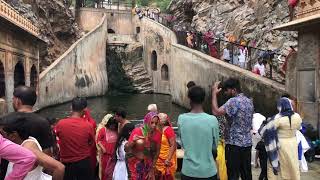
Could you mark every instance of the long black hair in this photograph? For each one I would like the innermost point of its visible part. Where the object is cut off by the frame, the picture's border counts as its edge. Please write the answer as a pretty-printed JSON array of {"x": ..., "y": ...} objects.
[{"x": 124, "y": 135}]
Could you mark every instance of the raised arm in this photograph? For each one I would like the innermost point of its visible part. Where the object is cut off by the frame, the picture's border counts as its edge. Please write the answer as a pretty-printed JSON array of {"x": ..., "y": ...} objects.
[
  {"x": 55, "y": 167},
  {"x": 214, "y": 102},
  {"x": 22, "y": 158}
]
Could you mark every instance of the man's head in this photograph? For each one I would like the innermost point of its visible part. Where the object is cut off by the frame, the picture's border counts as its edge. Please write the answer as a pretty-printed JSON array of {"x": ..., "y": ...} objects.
[
  {"x": 152, "y": 108},
  {"x": 190, "y": 84},
  {"x": 196, "y": 94},
  {"x": 231, "y": 87},
  {"x": 120, "y": 115},
  {"x": 78, "y": 105},
  {"x": 260, "y": 61},
  {"x": 23, "y": 96}
]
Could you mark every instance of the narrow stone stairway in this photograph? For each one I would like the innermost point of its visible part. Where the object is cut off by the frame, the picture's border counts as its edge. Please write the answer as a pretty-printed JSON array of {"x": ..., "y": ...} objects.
[{"x": 126, "y": 71}]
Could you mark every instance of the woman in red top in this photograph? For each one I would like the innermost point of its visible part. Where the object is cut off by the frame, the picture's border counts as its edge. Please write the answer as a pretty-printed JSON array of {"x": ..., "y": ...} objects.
[
  {"x": 106, "y": 142},
  {"x": 144, "y": 147}
]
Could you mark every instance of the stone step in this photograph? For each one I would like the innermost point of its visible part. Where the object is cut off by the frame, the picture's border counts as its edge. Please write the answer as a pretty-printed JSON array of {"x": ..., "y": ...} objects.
[
  {"x": 140, "y": 79},
  {"x": 143, "y": 85},
  {"x": 147, "y": 91},
  {"x": 137, "y": 70}
]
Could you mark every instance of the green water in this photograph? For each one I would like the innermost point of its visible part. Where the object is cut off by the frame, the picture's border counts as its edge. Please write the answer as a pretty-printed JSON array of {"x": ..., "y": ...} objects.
[{"x": 134, "y": 104}]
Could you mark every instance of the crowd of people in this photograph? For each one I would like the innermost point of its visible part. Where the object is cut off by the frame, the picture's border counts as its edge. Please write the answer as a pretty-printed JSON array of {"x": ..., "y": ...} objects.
[
  {"x": 215, "y": 146},
  {"x": 230, "y": 50}
]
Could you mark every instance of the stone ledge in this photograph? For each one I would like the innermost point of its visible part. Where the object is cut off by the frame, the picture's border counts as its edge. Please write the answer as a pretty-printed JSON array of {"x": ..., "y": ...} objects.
[{"x": 10, "y": 14}]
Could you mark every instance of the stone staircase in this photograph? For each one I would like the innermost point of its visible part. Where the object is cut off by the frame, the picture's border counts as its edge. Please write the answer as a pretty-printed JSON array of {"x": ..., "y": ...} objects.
[
  {"x": 141, "y": 81},
  {"x": 126, "y": 70}
]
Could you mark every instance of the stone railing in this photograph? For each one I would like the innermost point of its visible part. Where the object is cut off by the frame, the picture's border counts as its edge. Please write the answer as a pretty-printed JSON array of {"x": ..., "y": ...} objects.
[
  {"x": 308, "y": 8},
  {"x": 9, "y": 13}
]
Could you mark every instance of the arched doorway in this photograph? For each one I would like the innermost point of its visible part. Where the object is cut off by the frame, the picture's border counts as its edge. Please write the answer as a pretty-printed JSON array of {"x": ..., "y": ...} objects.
[
  {"x": 165, "y": 72},
  {"x": 19, "y": 78},
  {"x": 154, "y": 60},
  {"x": 111, "y": 31},
  {"x": 33, "y": 76},
  {"x": 2, "y": 82}
]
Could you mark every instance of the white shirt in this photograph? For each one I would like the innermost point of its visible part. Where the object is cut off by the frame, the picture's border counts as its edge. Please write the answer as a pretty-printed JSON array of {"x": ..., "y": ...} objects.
[
  {"x": 261, "y": 69},
  {"x": 226, "y": 54}
]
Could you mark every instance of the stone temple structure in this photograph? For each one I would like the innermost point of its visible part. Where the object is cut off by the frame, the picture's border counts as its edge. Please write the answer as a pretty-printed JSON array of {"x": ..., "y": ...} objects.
[
  {"x": 19, "y": 54},
  {"x": 305, "y": 77}
]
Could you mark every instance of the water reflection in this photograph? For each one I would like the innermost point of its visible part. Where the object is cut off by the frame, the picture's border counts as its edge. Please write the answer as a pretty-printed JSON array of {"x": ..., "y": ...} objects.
[{"x": 135, "y": 104}]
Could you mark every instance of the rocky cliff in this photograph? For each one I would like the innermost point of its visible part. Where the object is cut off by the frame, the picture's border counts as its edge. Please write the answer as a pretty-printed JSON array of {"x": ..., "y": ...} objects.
[
  {"x": 56, "y": 23},
  {"x": 249, "y": 19}
]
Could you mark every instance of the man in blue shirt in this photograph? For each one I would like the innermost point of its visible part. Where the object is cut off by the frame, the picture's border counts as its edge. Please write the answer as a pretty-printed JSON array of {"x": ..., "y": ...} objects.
[
  {"x": 239, "y": 112},
  {"x": 199, "y": 134}
]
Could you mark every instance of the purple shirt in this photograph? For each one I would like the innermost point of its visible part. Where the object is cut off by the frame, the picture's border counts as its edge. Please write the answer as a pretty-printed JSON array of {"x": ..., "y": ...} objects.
[{"x": 22, "y": 158}]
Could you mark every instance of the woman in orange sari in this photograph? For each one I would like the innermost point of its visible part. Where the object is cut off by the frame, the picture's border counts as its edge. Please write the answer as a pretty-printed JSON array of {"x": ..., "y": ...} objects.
[{"x": 167, "y": 161}]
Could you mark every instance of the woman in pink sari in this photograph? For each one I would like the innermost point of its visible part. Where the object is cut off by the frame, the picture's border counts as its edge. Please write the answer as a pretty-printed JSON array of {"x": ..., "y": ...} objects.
[
  {"x": 144, "y": 147},
  {"x": 106, "y": 142}
]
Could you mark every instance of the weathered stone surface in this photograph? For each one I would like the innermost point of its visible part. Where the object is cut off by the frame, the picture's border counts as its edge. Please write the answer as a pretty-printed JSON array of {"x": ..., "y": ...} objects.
[
  {"x": 248, "y": 19},
  {"x": 81, "y": 71},
  {"x": 126, "y": 71},
  {"x": 56, "y": 23}
]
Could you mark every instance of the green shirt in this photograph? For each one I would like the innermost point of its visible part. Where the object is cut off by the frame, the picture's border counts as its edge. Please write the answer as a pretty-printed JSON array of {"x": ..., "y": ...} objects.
[{"x": 199, "y": 134}]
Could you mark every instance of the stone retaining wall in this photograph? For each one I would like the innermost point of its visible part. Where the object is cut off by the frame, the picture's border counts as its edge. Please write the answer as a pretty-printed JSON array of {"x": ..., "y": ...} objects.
[{"x": 80, "y": 71}]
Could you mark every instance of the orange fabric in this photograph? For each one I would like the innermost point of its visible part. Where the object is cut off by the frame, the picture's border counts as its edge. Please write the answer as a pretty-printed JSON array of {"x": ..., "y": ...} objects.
[{"x": 164, "y": 153}]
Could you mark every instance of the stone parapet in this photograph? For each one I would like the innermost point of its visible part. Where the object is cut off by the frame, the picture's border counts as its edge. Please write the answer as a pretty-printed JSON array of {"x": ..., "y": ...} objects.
[
  {"x": 308, "y": 8},
  {"x": 10, "y": 14}
]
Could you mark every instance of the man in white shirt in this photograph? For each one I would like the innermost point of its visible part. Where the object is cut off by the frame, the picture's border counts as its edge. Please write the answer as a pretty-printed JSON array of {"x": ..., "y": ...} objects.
[{"x": 260, "y": 67}]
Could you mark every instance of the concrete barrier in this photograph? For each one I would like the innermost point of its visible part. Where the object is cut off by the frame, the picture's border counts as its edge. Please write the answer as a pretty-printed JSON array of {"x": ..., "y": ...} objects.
[{"x": 80, "y": 71}]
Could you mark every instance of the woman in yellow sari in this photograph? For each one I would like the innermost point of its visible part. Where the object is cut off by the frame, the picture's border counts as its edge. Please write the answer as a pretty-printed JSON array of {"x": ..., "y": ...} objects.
[{"x": 167, "y": 162}]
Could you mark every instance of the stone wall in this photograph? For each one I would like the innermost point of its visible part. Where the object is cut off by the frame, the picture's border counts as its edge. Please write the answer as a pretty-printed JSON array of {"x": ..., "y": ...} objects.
[
  {"x": 157, "y": 39},
  {"x": 118, "y": 21},
  {"x": 80, "y": 71},
  {"x": 89, "y": 18},
  {"x": 185, "y": 64},
  {"x": 190, "y": 65}
]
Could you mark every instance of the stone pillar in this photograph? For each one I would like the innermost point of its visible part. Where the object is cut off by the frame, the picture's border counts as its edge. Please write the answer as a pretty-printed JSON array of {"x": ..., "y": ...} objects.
[
  {"x": 308, "y": 76},
  {"x": 9, "y": 80},
  {"x": 27, "y": 70},
  {"x": 3, "y": 107}
]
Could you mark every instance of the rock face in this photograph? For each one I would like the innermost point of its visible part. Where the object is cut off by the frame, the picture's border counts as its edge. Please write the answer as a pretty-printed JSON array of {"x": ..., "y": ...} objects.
[
  {"x": 56, "y": 23},
  {"x": 126, "y": 71},
  {"x": 249, "y": 19}
]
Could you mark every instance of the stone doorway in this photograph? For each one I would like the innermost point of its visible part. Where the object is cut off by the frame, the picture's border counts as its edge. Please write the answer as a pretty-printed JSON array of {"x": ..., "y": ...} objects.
[
  {"x": 19, "y": 78},
  {"x": 164, "y": 72},
  {"x": 33, "y": 77},
  {"x": 154, "y": 60}
]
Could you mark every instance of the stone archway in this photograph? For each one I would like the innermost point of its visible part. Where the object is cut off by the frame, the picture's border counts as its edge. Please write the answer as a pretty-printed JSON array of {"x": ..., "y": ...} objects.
[
  {"x": 2, "y": 81},
  {"x": 164, "y": 72},
  {"x": 111, "y": 31},
  {"x": 19, "y": 77},
  {"x": 154, "y": 60},
  {"x": 33, "y": 76}
]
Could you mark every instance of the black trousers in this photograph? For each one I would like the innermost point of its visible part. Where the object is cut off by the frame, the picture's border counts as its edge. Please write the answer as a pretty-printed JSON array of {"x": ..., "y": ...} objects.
[
  {"x": 183, "y": 177},
  {"x": 80, "y": 170},
  {"x": 238, "y": 160},
  {"x": 264, "y": 172}
]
